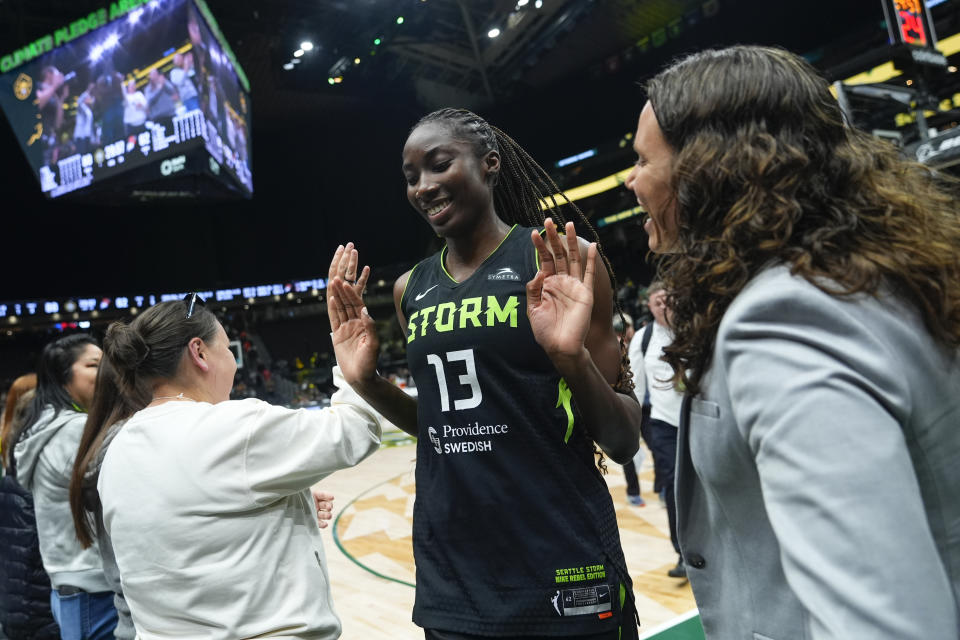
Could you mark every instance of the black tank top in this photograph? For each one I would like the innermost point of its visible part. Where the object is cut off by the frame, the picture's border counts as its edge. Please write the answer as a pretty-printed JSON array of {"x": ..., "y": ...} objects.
[{"x": 514, "y": 530}]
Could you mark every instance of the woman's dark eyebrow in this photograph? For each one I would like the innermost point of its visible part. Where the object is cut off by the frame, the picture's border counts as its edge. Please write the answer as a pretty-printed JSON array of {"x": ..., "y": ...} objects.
[{"x": 428, "y": 156}]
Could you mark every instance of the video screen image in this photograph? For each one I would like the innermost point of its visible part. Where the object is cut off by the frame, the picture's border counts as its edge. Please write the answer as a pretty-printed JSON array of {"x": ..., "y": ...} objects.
[{"x": 150, "y": 84}]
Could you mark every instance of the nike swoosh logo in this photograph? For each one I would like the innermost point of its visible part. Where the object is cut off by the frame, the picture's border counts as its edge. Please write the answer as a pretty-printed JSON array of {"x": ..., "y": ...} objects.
[{"x": 420, "y": 295}]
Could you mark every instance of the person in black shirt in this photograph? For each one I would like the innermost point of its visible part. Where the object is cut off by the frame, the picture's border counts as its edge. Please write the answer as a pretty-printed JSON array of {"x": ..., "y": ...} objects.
[{"x": 514, "y": 528}]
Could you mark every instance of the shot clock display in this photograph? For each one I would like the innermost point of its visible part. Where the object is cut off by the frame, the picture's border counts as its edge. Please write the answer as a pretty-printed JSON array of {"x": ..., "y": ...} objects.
[{"x": 908, "y": 22}]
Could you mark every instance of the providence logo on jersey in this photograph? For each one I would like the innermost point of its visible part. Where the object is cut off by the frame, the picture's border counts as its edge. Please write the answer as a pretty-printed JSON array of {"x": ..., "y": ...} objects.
[
  {"x": 464, "y": 439},
  {"x": 505, "y": 273},
  {"x": 434, "y": 439}
]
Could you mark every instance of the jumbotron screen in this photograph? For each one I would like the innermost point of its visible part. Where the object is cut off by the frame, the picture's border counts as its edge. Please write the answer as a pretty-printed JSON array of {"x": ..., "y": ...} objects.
[{"x": 136, "y": 82}]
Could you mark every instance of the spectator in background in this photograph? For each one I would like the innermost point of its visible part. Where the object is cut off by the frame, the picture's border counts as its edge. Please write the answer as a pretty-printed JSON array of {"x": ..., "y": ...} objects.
[
  {"x": 83, "y": 123},
  {"x": 240, "y": 143},
  {"x": 214, "y": 107},
  {"x": 52, "y": 92},
  {"x": 24, "y": 585},
  {"x": 664, "y": 402},
  {"x": 182, "y": 78},
  {"x": 110, "y": 104},
  {"x": 199, "y": 55},
  {"x": 134, "y": 110},
  {"x": 81, "y": 600},
  {"x": 18, "y": 388},
  {"x": 161, "y": 99},
  {"x": 624, "y": 330}
]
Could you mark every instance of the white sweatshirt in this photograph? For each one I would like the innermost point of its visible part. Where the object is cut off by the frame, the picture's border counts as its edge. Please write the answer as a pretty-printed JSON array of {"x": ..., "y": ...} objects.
[
  {"x": 212, "y": 523},
  {"x": 665, "y": 400}
]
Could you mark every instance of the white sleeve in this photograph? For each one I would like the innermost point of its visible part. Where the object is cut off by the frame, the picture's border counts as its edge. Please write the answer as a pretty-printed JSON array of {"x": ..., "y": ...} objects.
[
  {"x": 819, "y": 398},
  {"x": 288, "y": 450},
  {"x": 635, "y": 353}
]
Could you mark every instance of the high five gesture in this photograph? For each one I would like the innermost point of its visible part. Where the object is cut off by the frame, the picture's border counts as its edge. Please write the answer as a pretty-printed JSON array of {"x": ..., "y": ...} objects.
[
  {"x": 354, "y": 332},
  {"x": 560, "y": 297}
]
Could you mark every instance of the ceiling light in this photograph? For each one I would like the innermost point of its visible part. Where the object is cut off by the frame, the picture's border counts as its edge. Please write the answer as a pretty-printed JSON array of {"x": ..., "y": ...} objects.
[
  {"x": 298, "y": 53},
  {"x": 522, "y": 3},
  {"x": 295, "y": 61},
  {"x": 399, "y": 19},
  {"x": 376, "y": 41},
  {"x": 952, "y": 69},
  {"x": 538, "y": 4},
  {"x": 288, "y": 66},
  {"x": 356, "y": 61},
  {"x": 493, "y": 33},
  {"x": 330, "y": 81},
  {"x": 306, "y": 45}
]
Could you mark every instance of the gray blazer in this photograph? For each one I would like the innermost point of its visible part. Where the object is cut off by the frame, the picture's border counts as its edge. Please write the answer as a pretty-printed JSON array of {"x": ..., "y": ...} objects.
[{"x": 818, "y": 472}]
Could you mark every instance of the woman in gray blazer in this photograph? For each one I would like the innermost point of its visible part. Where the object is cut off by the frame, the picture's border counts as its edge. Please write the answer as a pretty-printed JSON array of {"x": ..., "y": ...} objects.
[{"x": 814, "y": 279}]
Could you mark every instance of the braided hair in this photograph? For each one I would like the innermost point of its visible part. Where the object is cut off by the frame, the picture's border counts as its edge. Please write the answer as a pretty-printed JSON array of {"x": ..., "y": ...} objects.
[{"x": 525, "y": 194}]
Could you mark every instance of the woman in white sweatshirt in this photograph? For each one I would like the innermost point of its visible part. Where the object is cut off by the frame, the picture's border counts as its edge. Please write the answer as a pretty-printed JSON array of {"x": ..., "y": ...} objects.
[{"x": 207, "y": 499}]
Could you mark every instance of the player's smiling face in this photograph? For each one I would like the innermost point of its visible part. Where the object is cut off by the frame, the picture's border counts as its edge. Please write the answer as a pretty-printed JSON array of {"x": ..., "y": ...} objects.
[{"x": 446, "y": 182}]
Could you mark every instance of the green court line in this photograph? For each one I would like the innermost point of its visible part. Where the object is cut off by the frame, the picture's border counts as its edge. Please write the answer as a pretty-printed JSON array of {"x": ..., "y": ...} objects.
[
  {"x": 685, "y": 627},
  {"x": 336, "y": 535}
]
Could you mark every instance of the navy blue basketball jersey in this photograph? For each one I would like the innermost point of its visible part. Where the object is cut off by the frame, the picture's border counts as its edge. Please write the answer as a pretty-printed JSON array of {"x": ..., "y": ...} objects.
[{"x": 514, "y": 529}]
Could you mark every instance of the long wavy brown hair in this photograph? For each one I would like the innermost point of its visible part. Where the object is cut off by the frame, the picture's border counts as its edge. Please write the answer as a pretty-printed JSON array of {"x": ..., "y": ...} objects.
[
  {"x": 765, "y": 171},
  {"x": 8, "y": 433}
]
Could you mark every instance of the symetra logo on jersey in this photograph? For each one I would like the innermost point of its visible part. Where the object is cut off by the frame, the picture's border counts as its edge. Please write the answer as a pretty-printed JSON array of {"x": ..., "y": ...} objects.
[{"x": 505, "y": 274}]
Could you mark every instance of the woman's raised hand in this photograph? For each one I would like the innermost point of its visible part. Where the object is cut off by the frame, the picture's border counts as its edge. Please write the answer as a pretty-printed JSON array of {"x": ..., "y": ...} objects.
[
  {"x": 344, "y": 265},
  {"x": 355, "y": 341},
  {"x": 560, "y": 296}
]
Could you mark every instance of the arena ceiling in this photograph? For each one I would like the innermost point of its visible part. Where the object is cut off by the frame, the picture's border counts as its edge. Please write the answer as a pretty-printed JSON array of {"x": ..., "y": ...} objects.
[{"x": 560, "y": 78}]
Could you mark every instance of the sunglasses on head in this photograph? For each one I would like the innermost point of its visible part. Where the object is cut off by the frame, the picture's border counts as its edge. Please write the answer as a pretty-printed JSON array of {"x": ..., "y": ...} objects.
[{"x": 192, "y": 299}]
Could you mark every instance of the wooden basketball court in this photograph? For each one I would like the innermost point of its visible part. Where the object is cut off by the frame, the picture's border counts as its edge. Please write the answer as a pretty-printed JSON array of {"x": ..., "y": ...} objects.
[{"x": 370, "y": 553}]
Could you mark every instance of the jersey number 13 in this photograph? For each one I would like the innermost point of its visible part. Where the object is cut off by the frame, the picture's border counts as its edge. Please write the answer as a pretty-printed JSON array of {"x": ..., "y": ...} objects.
[{"x": 466, "y": 379}]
